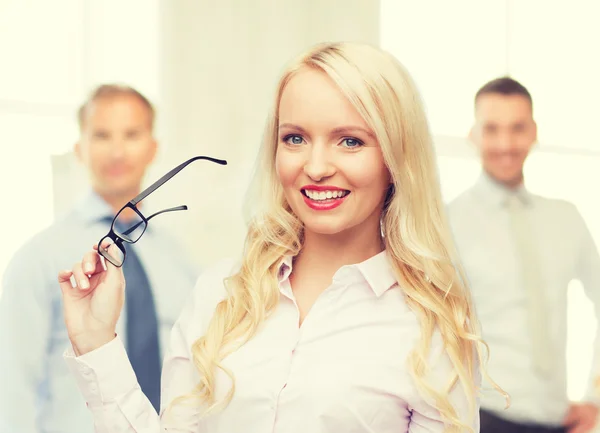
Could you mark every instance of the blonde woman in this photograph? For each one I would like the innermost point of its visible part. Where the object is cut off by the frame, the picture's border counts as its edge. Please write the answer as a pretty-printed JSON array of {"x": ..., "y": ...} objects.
[{"x": 346, "y": 313}]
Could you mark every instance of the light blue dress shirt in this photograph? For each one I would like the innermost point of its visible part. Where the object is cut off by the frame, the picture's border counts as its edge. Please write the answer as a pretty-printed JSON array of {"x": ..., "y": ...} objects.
[{"x": 37, "y": 393}]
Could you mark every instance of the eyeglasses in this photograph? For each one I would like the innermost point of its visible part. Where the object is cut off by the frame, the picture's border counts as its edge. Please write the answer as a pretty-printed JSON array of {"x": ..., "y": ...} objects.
[{"x": 129, "y": 224}]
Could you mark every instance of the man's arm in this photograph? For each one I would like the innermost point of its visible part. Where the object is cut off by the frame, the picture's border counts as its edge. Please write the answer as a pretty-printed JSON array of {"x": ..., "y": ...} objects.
[
  {"x": 588, "y": 272},
  {"x": 25, "y": 318}
]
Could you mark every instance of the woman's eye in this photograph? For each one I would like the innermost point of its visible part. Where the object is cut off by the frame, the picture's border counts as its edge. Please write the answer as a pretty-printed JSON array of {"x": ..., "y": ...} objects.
[
  {"x": 294, "y": 139},
  {"x": 352, "y": 142}
]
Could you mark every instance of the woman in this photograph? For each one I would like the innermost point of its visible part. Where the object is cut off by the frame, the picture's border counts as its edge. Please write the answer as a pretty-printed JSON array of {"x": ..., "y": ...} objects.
[{"x": 347, "y": 312}]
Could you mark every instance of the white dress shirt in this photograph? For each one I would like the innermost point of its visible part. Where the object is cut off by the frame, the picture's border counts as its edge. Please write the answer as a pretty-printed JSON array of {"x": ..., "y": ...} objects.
[
  {"x": 343, "y": 370},
  {"x": 566, "y": 251},
  {"x": 37, "y": 394}
]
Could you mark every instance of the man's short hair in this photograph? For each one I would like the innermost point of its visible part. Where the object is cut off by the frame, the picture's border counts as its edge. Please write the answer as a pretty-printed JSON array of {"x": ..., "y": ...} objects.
[
  {"x": 504, "y": 86},
  {"x": 109, "y": 91}
]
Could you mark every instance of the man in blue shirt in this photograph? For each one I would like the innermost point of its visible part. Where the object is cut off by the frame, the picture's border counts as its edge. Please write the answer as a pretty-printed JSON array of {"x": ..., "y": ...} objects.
[{"x": 37, "y": 393}]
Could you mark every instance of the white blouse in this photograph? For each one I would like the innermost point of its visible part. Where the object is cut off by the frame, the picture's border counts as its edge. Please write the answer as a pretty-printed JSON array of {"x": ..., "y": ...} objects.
[{"x": 343, "y": 370}]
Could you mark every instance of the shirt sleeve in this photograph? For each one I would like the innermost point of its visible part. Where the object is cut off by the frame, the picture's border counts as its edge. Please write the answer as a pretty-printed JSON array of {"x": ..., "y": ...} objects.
[
  {"x": 25, "y": 320},
  {"x": 588, "y": 272},
  {"x": 108, "y": 383},
  {"x": 425, "y": 417}
]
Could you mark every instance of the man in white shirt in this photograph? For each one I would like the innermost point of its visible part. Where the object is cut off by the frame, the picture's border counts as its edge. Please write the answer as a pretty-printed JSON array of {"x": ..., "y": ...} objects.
[
  {"x": 520, "y": 251},
  {"x": 37, "y": 393}
]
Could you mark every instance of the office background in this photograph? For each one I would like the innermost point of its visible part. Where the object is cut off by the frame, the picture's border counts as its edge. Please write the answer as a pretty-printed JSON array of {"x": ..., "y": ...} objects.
[{"x": 210, "y": 69}]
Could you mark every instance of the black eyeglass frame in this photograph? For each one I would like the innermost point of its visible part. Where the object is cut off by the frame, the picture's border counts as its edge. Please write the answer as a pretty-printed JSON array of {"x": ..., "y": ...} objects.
[{"x": 119, "y": 238}]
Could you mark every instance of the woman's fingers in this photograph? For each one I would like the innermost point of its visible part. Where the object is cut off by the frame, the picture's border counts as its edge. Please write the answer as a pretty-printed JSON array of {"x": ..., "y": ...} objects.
[
  {"x": 81, "y": 279},
  {"x": 64, "y": 276},
  {"x": 84, "y": 275},
  {"x": 111, "y": 251},
  {"x": 79, "y": 276},
  {"x": 114, "y": 274},
  {"x": 64, "y": 279},
  {"x": 91, "y": 263},
  {"x": 112, "y": 254}
]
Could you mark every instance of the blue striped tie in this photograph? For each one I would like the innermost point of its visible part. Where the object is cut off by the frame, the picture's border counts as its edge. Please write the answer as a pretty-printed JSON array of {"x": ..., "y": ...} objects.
[{"x": 142, "y": 327}]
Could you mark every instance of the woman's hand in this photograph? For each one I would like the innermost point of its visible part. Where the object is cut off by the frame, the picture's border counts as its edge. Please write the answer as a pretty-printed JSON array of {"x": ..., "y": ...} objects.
[{"x": 92, "y": 308}]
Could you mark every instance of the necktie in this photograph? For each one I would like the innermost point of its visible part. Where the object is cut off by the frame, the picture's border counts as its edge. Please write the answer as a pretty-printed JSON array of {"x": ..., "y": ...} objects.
[
  {"x": 141, "y": 327},
  {"x": 533, "y": 283}
]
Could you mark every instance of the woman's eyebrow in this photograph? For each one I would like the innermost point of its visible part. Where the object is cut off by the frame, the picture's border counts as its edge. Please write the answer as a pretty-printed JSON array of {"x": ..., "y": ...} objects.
[
  {"x": 352, "y": 129},
  {"x": 292, "y": 127},
  {"x": 336, "y": 131}
]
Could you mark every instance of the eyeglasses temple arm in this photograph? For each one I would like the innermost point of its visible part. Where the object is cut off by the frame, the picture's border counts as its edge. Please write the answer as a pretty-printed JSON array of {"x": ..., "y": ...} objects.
[
  {"x": 172, "y": 209},
  {"x": 170, "y": 174}
]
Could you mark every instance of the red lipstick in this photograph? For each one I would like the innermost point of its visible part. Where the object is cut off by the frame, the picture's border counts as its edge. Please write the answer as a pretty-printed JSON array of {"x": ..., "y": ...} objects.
[
  {"x": 325, "y": 204},
  {"x": 322, "y": 188}
]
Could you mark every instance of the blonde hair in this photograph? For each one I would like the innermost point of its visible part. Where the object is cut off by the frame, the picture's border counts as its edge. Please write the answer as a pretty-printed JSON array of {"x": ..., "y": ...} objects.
[{"x": 417, "y": 236}]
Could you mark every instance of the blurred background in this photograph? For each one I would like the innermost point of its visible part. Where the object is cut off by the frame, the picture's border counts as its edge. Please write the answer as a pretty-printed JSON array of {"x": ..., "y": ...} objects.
[{"x": 210, "y": 69}]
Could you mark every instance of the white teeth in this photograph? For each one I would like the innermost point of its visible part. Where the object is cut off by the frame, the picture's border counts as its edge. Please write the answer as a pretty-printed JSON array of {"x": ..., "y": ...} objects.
[{"x": 324, "y": 195}]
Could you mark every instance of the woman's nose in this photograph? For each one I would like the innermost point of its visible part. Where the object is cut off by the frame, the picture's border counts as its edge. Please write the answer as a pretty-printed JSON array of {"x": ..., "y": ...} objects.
[{"x": 318, "y": 165}]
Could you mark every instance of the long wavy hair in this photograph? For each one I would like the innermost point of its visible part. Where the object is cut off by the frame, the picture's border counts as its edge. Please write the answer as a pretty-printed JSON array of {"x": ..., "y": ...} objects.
[{"x": 417, "y": 236}]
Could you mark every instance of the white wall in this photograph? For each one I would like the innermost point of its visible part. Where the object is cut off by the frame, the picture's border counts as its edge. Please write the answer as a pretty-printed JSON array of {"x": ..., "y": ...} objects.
[
  {"x": 220, "y": 67},
  {"x": 42, "y": 80},
  {"x": 453, "y": 48}
]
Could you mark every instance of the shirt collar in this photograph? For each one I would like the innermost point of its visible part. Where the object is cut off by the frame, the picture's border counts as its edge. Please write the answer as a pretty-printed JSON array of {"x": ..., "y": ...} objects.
[
  {"x": 497, "y": 194},
  {"x": 93, "y": 209},
  {"x": 376, "y": 271}
]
